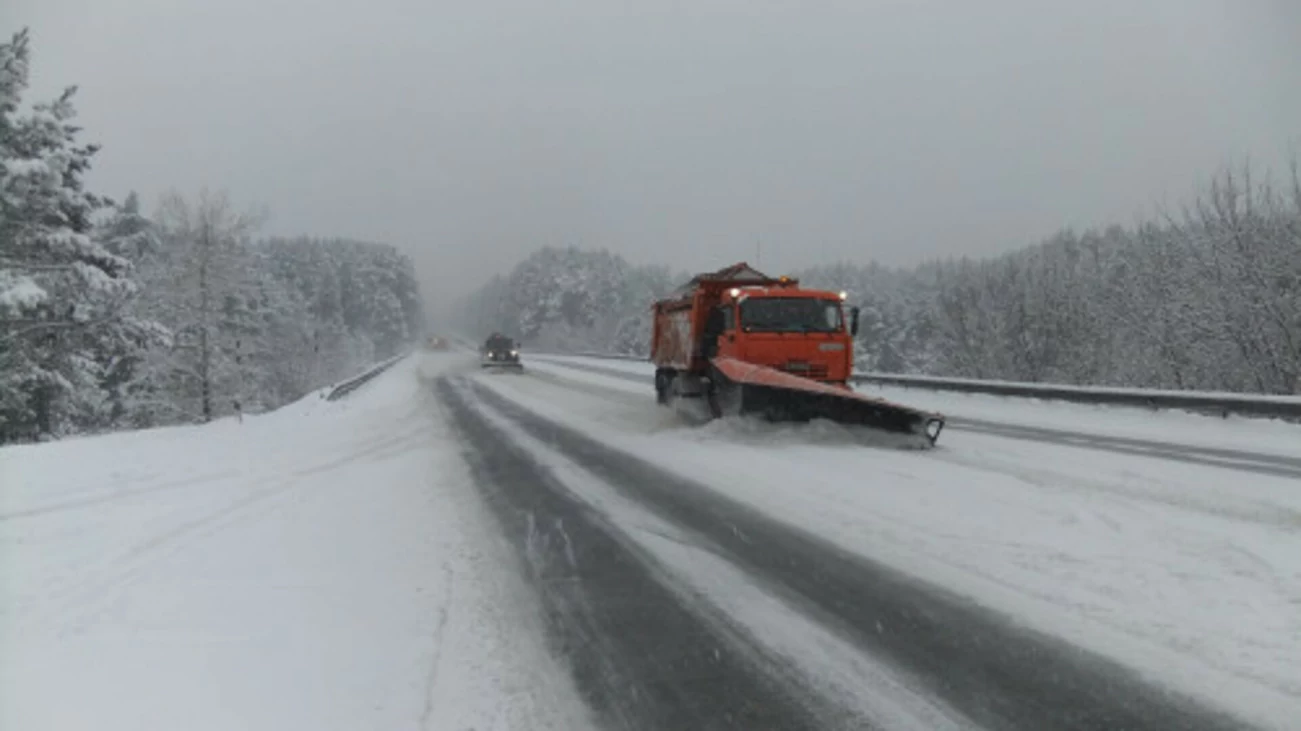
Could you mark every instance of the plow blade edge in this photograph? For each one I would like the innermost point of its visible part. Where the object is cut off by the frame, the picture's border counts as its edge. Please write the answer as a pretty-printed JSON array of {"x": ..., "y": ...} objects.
[{"x": 741, "y": 388}]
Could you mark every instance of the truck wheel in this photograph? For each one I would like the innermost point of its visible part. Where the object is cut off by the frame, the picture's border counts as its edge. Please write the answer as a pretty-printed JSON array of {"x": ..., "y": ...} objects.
[
  {"x": 714, "y": 399},
  {"x": 663, "y": 386},
  {"x": 721, "y": 395}
]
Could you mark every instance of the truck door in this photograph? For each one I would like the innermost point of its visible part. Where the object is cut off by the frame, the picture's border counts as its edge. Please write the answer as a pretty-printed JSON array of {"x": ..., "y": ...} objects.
[{"x": 720, "y": 324}]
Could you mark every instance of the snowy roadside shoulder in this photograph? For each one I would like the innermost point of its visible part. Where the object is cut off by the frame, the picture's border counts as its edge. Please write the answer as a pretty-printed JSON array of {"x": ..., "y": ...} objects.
[
  {"x": 91, "y": 468},
  {"x": 323, "y": 566}
]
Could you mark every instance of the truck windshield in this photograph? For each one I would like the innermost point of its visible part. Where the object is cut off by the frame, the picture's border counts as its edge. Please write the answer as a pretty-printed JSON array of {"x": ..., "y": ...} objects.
[{"x": 790, "y": 314}]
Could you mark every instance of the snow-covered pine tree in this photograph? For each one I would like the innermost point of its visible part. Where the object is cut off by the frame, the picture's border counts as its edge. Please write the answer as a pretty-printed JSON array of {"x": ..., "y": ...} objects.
[
  {"x": 127, "y": 233},
  {"x": 126, "y": 377},
  {"x": 62, "y": 293}
]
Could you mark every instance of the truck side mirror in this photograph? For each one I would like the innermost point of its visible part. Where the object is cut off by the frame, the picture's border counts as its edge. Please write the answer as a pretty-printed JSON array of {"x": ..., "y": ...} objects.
[{"x": 853, "y": 321}]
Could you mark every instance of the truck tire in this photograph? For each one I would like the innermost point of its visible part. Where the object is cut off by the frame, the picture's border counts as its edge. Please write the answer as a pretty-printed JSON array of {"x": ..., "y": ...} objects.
[{"x": 663, "y": 386}]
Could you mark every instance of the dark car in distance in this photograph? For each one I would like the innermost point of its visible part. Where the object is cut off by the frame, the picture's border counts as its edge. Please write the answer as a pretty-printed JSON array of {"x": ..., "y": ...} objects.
[{"x": 500, "y": 351}]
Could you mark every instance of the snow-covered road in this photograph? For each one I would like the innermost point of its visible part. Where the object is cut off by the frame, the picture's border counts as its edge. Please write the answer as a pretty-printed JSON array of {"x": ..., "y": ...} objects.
[
  {"x": 452, "y": 549},
  {"x": 1186, "y": 573}
]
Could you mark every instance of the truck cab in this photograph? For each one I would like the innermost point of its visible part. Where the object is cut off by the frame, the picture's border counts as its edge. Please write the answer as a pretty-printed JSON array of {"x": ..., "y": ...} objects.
[
  {"x": 738, "y": 314},
  {"x": 800, "y": 331}
]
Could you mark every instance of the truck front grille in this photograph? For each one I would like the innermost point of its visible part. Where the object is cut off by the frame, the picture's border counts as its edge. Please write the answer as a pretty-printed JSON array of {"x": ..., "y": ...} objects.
[{"x": 816, "y": 371}]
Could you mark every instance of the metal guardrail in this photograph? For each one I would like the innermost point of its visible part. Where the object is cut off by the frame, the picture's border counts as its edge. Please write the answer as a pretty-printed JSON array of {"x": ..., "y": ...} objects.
[
  {"x": 1216, "y": 404},
  {"x": 352, "y": 384},
  {"x": 611, "y": 356}
]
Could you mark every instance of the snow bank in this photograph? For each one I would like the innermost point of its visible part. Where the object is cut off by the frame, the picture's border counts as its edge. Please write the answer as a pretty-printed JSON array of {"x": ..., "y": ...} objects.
[{"x": 324, "y": 566}]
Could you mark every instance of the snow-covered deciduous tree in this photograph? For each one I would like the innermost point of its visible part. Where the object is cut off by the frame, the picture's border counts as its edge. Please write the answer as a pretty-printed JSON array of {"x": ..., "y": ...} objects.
[
  {"x": 201, "y": 285},
  {"x": 567, "y": 298},
  {"x": 109, "y": 319},
  {"x": 362, "y": 303},
  {"x": 1247, "y": 246},
  {"x": 128, "y": 234},
  {"x": 259, "y": 323}
]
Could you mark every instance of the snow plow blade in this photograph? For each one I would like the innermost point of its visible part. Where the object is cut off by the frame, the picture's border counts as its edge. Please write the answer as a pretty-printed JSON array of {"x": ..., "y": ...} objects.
[{"x": 741, "y": 388}]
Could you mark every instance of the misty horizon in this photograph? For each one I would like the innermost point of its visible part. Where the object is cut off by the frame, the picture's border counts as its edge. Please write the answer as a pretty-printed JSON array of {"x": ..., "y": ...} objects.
[{"x": 688, "y": 136}]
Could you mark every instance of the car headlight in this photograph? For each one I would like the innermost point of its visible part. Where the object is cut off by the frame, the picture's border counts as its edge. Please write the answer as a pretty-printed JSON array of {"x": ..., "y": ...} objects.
[{"x": 514, "y": 353}]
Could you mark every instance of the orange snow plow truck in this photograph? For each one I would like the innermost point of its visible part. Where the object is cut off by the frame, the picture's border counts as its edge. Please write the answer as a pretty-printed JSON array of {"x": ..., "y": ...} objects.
[{"x": 736, "y": 342}]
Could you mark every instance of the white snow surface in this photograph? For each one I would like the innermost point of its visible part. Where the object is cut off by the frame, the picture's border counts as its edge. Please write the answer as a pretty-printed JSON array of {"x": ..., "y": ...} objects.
[
  {"x": 1191, "y": 575},
  {"x": 324, "y": 566},
  {"x": 19, "y": 292},
  {"x": 329, "y": 565},
  {"x": 28, "y": 166}
]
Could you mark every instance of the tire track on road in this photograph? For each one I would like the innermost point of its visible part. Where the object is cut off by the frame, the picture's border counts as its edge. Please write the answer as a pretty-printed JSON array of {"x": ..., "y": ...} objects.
[
  {"x": 90, "y": 592},
  {"x": 641, "y": 659},
  {"x": 998, "y": 673},
  {"x": 116, "y": 495}
]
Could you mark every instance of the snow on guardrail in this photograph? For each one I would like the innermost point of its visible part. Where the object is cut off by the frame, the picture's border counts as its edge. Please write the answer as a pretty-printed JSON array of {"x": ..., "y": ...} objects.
[
  {"x": 1207, "y": 402},
  {"x": 352, "y": 384}
]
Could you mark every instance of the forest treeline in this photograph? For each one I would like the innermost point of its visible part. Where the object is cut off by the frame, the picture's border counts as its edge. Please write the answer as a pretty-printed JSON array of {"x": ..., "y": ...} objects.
[
  {"x": 1207, "y": 298},
  {"x": 112, "y": 319}
]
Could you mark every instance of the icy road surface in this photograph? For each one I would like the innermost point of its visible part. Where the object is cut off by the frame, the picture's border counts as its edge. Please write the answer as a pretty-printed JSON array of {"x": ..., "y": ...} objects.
[{"x": 327, "y": 566}]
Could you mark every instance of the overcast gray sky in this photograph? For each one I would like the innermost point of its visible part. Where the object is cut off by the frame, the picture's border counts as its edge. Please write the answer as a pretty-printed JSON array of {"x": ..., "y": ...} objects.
[{"x": 471, "y": 132}]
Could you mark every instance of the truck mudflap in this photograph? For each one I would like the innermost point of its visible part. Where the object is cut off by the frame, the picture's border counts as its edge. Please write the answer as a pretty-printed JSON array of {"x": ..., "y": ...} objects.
[{"x": 740, "y": 388}]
